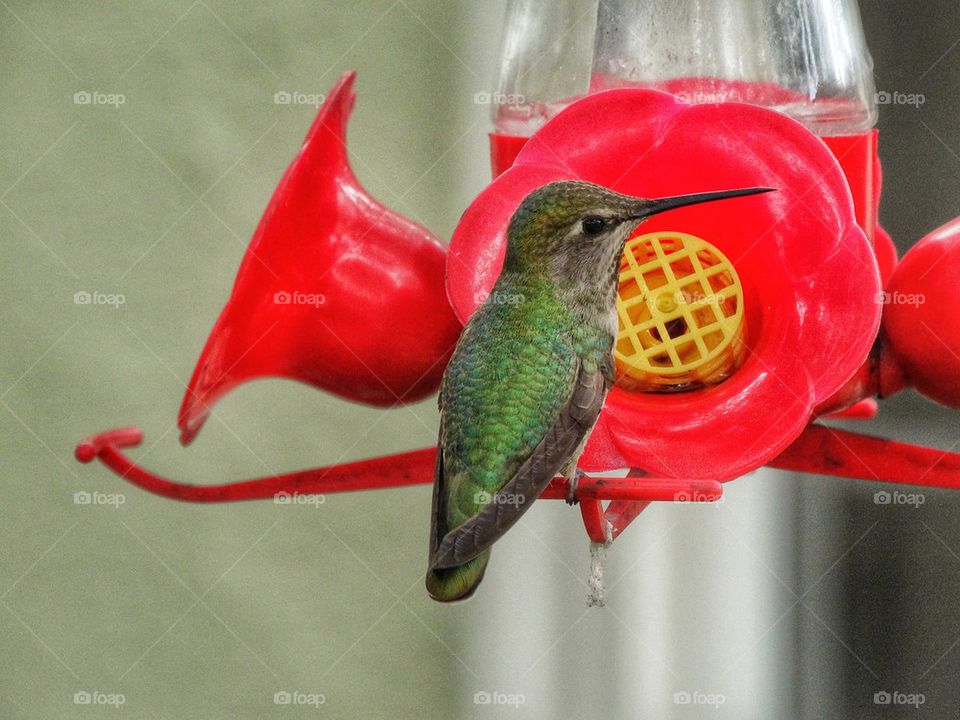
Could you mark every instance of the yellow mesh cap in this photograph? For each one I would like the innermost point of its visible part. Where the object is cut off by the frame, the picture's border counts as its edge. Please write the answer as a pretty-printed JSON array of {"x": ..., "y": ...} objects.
[{"x": 680, "y": 310}]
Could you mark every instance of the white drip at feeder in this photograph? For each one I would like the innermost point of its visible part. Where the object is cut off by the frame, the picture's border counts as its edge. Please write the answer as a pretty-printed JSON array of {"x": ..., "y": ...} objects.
[{"x": 596, "y": 590}]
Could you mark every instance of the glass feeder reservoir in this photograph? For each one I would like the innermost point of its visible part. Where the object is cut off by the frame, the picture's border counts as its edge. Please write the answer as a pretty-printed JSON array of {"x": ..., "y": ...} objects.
[{"x": 805, "y": 58}]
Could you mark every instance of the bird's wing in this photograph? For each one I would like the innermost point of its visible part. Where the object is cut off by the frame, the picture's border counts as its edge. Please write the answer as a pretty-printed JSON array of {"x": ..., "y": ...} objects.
[
  {"x": 573, "y": 422},
  {"x": 437, "y": 526}
]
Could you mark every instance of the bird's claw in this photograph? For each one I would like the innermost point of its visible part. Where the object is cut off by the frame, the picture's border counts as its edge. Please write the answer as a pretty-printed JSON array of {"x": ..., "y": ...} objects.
[{"x": 572, "y": 483}]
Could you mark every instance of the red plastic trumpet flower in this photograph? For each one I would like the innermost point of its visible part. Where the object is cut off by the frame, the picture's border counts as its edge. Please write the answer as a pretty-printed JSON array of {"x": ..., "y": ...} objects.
[{"x": 335, "y": 290}]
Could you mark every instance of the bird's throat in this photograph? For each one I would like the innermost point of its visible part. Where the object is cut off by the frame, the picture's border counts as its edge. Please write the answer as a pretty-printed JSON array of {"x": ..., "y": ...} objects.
[{"x": 587, "y": 284}]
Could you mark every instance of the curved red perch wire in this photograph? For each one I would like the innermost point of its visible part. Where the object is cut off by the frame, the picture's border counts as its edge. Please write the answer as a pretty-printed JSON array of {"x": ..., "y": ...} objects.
[
  {"x": 408, "y": 468},
  {"x": 819, "y": 450}
]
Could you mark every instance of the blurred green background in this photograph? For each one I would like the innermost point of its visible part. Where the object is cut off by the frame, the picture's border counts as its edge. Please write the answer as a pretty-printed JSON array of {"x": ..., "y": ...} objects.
[{"x": 208, "y": 612}]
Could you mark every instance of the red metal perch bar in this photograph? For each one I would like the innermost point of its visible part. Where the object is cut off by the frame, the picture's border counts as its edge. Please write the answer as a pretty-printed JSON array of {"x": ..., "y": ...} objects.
[
  {"x": 819, "y": 450},
  {"x": 628, "y": 495}
]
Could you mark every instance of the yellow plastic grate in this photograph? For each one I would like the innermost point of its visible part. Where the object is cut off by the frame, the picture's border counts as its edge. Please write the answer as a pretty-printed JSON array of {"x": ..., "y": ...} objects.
[{"x": 680, "y": 310}]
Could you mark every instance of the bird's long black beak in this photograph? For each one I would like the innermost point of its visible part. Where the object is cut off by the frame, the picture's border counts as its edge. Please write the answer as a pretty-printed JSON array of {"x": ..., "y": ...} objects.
[{"x": 653, "y": 207}]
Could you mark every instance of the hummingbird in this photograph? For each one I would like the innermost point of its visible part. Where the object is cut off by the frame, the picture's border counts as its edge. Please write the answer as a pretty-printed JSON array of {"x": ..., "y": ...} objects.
[{"x": 528, "y": 377}]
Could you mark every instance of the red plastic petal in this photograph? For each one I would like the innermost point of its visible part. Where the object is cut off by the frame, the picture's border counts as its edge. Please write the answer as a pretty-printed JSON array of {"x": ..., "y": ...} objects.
[
  {"x": 809, "y": 274},
  {"x": 921, "y": 318},
  {"x": 335, "y": 290}
]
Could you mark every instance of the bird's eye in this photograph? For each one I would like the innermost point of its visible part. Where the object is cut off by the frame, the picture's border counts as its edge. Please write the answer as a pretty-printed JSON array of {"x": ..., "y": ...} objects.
[{"x": 593, "y": 225}]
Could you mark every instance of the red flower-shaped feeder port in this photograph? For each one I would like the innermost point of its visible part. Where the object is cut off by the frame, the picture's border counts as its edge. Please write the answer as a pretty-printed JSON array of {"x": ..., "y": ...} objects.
[
  {"x": 335, "y": 289},
  {"x": 789, "y": 333},
  {"x": 809, "y": 277}
]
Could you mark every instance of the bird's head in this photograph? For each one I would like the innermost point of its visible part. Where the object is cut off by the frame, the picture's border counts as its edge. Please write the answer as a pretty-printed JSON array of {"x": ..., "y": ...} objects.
[{"x": 573, "y": 229}]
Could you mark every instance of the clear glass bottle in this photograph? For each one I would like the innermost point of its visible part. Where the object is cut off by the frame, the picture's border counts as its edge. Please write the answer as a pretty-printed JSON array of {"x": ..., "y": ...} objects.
[{"x": 806, "y": 58}]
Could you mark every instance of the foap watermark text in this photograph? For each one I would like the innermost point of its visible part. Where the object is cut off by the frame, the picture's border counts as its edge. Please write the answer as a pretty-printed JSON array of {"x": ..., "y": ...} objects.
[
  {"x": 95, "y": 697},
  {"x": 897, "y": 697},
  {"x": 498, "y": 98},
  {"x": 501, "y": 498},
  {"x": 86, "y": 97},
  {"x": 83, "y": 297},
  {"x": 498, "y": 297},
  {"x": 283, "y": 97},
  {"x": 695, "y": 697},
  {"x": 283, "y": 297},
  {"x": 895, "y": 97},
  {"x": 901, "y": 499},
  {"x": 97, "y": 498},
  {"x": 287, "y": 498},
  {"x": 485, "y": 697},
  {"x": 298, "y": 698}
]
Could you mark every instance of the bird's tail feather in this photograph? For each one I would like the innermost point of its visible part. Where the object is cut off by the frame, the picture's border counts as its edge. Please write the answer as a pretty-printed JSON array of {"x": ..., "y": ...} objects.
[{"x": 457, "y": 583}]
